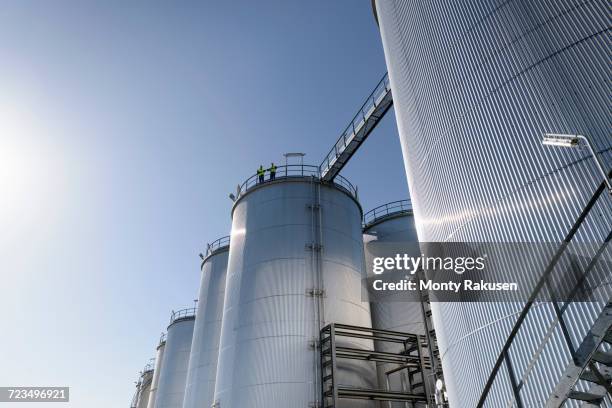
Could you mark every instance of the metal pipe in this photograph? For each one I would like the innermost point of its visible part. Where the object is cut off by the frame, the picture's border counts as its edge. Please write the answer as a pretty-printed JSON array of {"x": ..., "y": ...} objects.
[{"x": 597, "y": 162}]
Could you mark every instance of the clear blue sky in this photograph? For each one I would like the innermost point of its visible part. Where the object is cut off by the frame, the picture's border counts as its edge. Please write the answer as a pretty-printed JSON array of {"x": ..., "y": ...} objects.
[{"x": 123, "y": 127}]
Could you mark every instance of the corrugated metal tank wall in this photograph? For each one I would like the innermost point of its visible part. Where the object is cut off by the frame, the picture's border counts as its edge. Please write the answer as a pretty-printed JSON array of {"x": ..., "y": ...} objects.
[
  {"x": 393, "y": 227},
  {"x": 202, "y": 371},
  {"x": 475, "y": 85},
  {"x": 135, "y": 397},
  {"x": 145, "y": 389},
  {"x": 156, "y": 371},
  {"x": 171, "y": 388},
  {"x": 266, "y": 358}
]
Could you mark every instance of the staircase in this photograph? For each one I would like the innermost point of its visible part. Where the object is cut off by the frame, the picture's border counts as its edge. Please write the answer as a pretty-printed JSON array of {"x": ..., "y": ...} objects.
[
  {"x": 366, "y": 119},
  {"x": 591, "y": 367},
  {"x": 590, "y": 360}
]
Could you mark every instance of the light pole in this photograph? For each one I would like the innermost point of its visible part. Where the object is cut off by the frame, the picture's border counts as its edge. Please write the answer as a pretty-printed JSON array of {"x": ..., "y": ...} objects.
[{"x": 565, "y": 140}]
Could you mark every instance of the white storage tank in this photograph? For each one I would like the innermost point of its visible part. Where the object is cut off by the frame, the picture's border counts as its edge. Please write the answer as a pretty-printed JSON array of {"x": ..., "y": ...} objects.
[
  {"x": 145, "y": 387},
  {"x": 158, "y": 365},
  {"x": 202, "y": 371},
  {"x": 392, "y": 224},
  {"x": 475, "y": 86},
  {"x": 295, "y": 265},
  {"x": 171, "y": 387}
]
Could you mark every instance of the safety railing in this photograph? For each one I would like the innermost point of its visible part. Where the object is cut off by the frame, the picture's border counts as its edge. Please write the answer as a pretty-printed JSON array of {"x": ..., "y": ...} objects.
[
  {"x": 294, "y": 171},
  {"x": 216, "y": 244},
  {"x": 148, "y": 367},
  {"x": 181, "y": 314},
  {"x": 504, "y": 356},
  {"x": 386, "y": 210},
  {"x": 379, "y": 100},
  {"x": 162, "y": 338}
]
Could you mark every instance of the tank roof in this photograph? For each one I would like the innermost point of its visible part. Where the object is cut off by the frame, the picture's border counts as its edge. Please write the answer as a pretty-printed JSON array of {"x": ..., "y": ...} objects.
[
  {"x": 387, "y": 211},
  {"x": 212, "y": 248},
  {"x": 295, "y": 172},
  {"x": 182, "y": 314},
  {"x": 162, "y": 339}
]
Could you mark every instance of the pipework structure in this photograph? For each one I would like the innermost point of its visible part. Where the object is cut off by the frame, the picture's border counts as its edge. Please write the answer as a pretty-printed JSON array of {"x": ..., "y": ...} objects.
[{"x": 295, "y": 265}]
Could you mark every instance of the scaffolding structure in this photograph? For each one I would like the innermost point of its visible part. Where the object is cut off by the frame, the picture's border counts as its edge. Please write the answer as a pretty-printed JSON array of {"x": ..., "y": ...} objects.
[{"x": 410, "y": 359}]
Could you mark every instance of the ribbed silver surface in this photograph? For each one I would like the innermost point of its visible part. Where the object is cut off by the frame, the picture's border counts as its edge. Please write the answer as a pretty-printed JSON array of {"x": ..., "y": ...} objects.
[
  {"x": 389, "y": 315},
  {"x": 173, "y": 375},
  {"x": 202, "y": 371},
  {"x": 266, "y": 357},
  {"x": 475, "y": 85},
  {"x": 159, "y": 358},
  {"x": 392, "y": 315}
]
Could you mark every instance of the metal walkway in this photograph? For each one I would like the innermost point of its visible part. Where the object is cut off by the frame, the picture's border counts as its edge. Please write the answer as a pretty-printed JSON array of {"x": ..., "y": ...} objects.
[{"x": 371, "y": 112}]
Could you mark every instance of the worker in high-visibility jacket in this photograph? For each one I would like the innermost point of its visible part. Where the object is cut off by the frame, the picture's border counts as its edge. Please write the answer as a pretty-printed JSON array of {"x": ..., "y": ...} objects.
[
  {"x": 261, "y": 173},
  {"x": 272, "y": 171}
]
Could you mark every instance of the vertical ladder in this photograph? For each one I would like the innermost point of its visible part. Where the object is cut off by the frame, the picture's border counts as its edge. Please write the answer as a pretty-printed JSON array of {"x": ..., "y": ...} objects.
[{"x": 437, "y": 397}]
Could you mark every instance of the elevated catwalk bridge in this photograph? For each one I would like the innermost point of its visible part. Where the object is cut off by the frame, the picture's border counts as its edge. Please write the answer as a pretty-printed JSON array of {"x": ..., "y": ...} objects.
[{"x": 366, "y": 119}]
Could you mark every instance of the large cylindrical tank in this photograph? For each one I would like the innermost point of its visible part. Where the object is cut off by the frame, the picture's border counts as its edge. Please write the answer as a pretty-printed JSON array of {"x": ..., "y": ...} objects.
[
  {"x": 392, "y": 224},
  {"x": 295, "y": 264},
  {"x": 476, "y": 84},
  {"x": 202, "y": 371},
  {"x": 135, "y": 397},
  {"x": 171, "y": 388},
  {"x": 145, "y": 387},
  {"x": 159, "y": 358}
]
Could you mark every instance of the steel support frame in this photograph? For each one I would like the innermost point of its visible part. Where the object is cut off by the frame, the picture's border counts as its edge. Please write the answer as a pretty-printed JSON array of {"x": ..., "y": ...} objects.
[{"x": 411, "y": 357}]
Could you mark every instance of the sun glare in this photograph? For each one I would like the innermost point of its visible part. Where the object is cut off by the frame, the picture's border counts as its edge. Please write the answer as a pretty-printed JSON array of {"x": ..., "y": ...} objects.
[{"x": 26, "y": 168}]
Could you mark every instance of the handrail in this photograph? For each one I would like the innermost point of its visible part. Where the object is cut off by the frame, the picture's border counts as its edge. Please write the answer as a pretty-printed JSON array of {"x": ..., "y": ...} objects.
[
  {"x": 386, "y": 210},
  {"x": 503, "y": 356},
  {"x": 182, "y": 313},
  {"x": 216, "y": 244},
  {"x": 162, "y": 338},
  {"x": 377, "y": 96},
  {"x": 295, "y": 171}
]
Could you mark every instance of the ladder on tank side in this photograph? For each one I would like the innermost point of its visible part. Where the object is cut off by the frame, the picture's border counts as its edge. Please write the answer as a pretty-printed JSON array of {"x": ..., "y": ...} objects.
[
  {"x": 370, "y": 114},
  {"x": 439, "y": 398},
  {"x": 410, "y": 359}
]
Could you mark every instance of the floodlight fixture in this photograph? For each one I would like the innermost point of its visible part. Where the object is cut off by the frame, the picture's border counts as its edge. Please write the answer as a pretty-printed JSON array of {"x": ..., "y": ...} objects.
[{"x": 567, "y": 140}]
